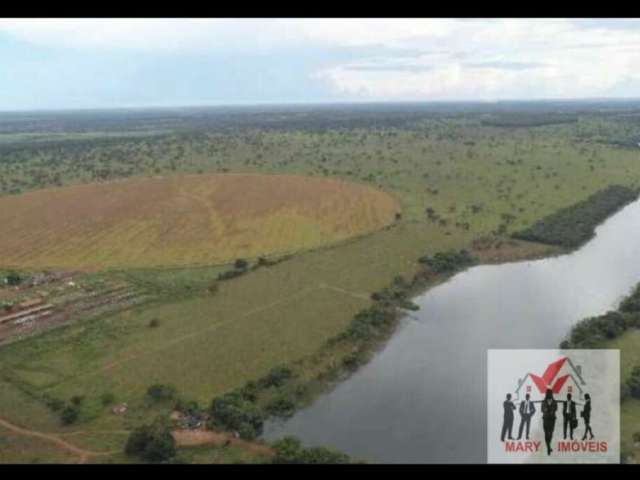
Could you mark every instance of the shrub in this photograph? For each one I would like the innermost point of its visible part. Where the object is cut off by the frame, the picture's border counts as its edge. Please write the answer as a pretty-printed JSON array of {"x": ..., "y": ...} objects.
[
  {"x": 634, "y": 382},
  {"x": 153, "y": 442},
  {"x": 70, "y": 415},
  {"x": 282, "y": 406},
  {"x": 443, "y": 262},
  {"x": 632, "y": 302},
  {"x": 107, "y": 399},
  {"x": 277, "y": 377},
  {"x": 368, "y": 322},
  {"x": 323, "y": 455},
  {"x": 241, "y": 264},
  {"x": 159, "y": 392},
  {"x": 229, "y": 274},
  {"x": 234, "y": 412},
  {"x": 14, "y": 278},
  {"x": 189, "y": 407},
  {"x": 250, "y": 391},
  {"x": 289, "y": 450},
  {"x": 154, "y": 323},
  {"x": 592, "y": 332}
]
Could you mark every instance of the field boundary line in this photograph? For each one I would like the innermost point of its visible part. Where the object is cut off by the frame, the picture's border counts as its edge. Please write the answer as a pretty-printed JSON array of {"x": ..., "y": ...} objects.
[
  {"x": 52, "y": 438},
  {"x": 362, "y": 296},
  {"x": 181, "y": 339}
]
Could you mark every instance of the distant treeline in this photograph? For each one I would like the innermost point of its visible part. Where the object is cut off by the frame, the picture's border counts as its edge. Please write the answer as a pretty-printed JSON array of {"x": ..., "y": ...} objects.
[
  {"x": 574, "y": 225},
  {"x": 306, "y": 117},
  {"x": 525, "y": 119}
]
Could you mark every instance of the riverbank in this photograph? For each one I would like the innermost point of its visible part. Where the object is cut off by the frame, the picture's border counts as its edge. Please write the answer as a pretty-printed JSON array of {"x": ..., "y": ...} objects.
[
  {"x": 519, "y": 305},
  {"x": 295, "y": 386}
]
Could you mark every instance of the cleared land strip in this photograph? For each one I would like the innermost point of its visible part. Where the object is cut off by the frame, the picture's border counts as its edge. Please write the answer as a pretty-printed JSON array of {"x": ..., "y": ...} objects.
[
  {"x": 48, "y": 437},
  {"x": 362, "y": 296},
  {"x": 188, "y": 336}
]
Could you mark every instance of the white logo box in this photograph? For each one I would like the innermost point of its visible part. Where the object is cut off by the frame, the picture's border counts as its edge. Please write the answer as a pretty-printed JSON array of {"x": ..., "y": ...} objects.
[{"x": 579, "y": 372}]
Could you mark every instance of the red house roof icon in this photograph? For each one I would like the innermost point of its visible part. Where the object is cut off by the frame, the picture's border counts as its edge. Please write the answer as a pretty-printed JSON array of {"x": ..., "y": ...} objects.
[{"x": 550, "y": 379}]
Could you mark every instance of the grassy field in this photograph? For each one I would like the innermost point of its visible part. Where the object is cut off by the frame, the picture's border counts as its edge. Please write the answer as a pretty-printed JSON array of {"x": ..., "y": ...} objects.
[
  {"x": 183, "y": 220},
  {"x": 629, "y": 345},
  {"x": 475, "y": 180}
]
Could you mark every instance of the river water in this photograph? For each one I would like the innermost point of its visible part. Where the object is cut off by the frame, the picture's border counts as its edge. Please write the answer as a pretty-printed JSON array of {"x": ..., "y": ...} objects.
[{"x": 422, "y": 398}]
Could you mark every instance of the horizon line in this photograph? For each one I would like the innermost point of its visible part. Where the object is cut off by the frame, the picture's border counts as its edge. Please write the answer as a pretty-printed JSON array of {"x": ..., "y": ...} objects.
[{"x": 320, "y": 103}]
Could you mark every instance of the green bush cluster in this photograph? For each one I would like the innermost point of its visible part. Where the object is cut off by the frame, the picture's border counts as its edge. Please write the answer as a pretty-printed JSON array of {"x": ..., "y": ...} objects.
[
  {"x": 276, "y": 377},
  {"x": 153, "y": 443},
  {"x": 445, "y": 262},
  {"x": 593, "y": 331},
  {"x": 522, "y": 120},
  {"x": 633, "y": 383},
  {"x": 632, "y": 302},
  {"x": 289, "y": 450},
  {"x": 369, "y": 322},
  {"x": 70, "y": 414},
  {"x": 158, "y": 392},
  {"x": 13, "y": 279},
  {"x": 233, "y": 411},
  {"x": 574, "y": 225}
]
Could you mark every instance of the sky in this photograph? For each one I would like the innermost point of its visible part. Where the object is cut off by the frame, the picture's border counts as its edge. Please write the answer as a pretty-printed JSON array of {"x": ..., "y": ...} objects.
[{"x": 116, "y": 63}]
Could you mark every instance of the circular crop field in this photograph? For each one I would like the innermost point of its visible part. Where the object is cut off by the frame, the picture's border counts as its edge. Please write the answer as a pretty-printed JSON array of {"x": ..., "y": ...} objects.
[{"x": 184, "y": 220}]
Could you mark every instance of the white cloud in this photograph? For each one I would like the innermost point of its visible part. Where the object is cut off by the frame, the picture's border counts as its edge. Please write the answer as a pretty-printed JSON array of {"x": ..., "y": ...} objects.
[
  {"x": 521, "y": 58},
  {"x": 200, "y": 34},
  {"x": 453, "y": 59}
]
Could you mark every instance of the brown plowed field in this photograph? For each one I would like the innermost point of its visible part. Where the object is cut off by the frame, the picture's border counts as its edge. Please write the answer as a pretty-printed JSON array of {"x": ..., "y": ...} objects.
[{"x": 185, "y": 220}]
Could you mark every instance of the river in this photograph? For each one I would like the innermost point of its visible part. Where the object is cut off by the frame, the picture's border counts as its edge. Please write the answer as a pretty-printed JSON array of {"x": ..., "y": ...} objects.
[{"x": 422, "y": 397}]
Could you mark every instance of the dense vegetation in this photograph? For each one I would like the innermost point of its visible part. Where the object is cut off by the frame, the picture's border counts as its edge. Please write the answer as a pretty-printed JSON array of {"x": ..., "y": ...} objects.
[
  {"x": 289, "y": 450},
  {"x": 153, "y": 443},
  {"x": 595, "y": 332},
  {"x": 574, "y": 225},
  {"x": 444, "y": 262},
  {"x": 529, "y": 119},
  {"x": 592, "y": 332}
]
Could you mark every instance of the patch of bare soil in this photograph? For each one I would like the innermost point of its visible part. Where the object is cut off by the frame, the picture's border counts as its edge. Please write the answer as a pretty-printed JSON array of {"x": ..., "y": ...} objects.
[{"x": 193, "y": 438}]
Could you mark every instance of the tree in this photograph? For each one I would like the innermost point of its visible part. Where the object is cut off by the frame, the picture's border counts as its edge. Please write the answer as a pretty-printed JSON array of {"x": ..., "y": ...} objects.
[
  {"x": 634, "y": 382},
  {"x": 153, "y": 443},
  {"x": 14, "y": 278},
  {"x": 70, "y": 414},
  {"x": 241, "y": 264},
  {"x": 287, "y": 450},
  {"x": 323, "y": 455},
  {"x": 277, "y": 376},
  {"x": 234, "y": 412},
  {"x": 161, "y": 392}
]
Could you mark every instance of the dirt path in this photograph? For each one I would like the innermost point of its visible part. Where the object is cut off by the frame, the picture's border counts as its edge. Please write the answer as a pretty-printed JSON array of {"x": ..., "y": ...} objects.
[
  {"x": 192, "y": 438},
  {"x": 83, "y": 455}
]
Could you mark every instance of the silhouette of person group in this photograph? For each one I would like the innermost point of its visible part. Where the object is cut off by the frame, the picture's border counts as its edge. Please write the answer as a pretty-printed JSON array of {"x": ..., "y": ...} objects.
[{"x": 549, "y": 407}]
